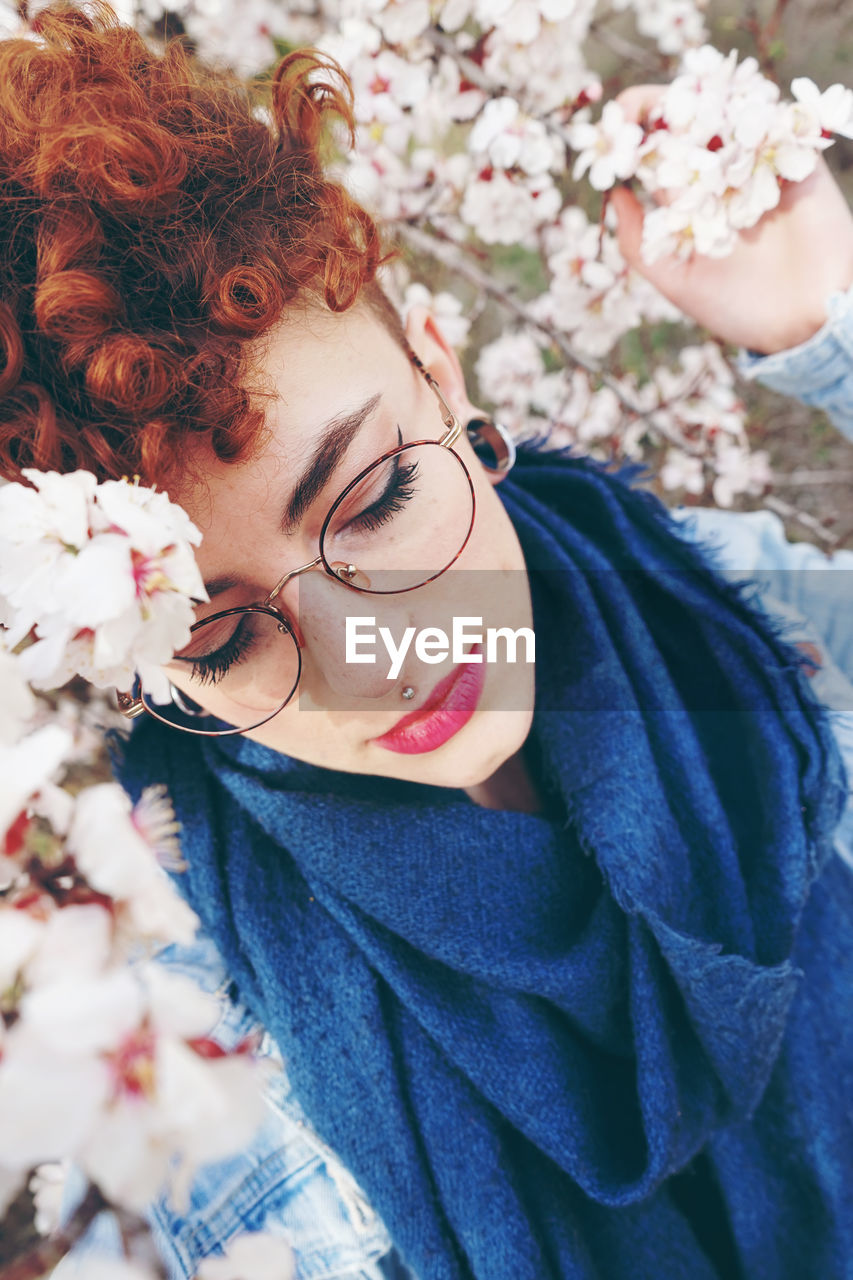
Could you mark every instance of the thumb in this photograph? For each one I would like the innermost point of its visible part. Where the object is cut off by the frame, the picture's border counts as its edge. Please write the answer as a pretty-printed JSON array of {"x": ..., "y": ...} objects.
[{"x": 629, "y": 216}]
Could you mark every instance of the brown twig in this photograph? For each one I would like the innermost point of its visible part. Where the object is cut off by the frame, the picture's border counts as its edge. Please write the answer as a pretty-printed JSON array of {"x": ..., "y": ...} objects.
[
  {"x": 452, "y": 255},
  {"x": 787, "y": 512},
  {"x": 626, "y": 48},
  {"x": 474, "y": 74},
  {"x": 40, "y": 1259},
  {"x": 806, "y": 477}
]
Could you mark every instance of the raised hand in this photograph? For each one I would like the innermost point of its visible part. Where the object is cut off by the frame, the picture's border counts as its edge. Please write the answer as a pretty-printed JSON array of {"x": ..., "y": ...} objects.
[{"x": 771, "y": 292}]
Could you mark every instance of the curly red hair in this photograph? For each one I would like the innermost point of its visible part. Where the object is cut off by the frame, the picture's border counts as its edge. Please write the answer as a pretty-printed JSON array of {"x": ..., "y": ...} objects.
[{"x": 151, "y": 224}]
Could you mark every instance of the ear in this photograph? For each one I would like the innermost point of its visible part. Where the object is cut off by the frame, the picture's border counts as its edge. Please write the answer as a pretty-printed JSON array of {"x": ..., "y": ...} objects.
[{"x": 431, "y": 346}]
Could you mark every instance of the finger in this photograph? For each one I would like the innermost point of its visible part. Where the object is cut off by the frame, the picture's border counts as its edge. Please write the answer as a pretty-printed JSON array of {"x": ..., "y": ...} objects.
[
  {"x": 629, "y": 215},
  {"x": 638, "y": 101},
  {"x": 669, "y": 275}
]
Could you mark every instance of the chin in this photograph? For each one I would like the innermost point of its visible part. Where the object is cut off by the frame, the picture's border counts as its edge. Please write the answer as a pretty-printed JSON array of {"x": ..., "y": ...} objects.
[{"x": 469, "y": 760}]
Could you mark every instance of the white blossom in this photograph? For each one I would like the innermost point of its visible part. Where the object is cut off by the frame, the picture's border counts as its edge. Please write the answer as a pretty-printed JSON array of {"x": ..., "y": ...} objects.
[
  {"x": 550, "y": 70},
  {"x": 78, "y": 1015},
  {"x": 47, "y": 1187},
  {"x": 508, "y": 368},
  {"x": 739, "y": 471},
  {"x": 681, "y": 470},
  {"x": 105, "y": 574},
  {"x": 246, "y": 46},
  {"x": 110, "y": 843},
  {"x": 403, "y": 20},
  {"x": 675, "y": 25},
  {"x": 20, "y": 934},
  {"x": 101, "y": 1066},
  {"x": 17, "y": 704},
  {"x": 575, "y": 411},
  {"x": 507, "y": 140},
  {"x": 833, "y": 108},
  {"x": 718, "y": 145},
  {"x": 504, "y": 210},
  {"x": 26, "y": 765},
  {"x": 608, "y": 149},
  {"x": 49, "y": 1102}
]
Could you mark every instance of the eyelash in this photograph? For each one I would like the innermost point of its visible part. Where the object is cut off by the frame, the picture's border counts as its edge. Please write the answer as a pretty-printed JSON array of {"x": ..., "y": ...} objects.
[
  {"x": 215, "y": 665},
  {"x": 396, "y": 495},
  {"x": 398, "y": 492}
]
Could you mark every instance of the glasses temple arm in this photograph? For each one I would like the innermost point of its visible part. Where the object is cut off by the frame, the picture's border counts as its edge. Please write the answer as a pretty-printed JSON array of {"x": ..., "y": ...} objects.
[{"x": 454, "y": 426}]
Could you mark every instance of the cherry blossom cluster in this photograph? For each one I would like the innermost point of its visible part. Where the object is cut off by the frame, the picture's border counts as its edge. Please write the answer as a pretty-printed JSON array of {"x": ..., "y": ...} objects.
[
  {"x": 101, "y": 577},
  {"x": 108, "y": 1063},
  {"x": 108, "y": 1060},
  {"x": 593, "y": 296},
  {"x": 716, "y": 149}
]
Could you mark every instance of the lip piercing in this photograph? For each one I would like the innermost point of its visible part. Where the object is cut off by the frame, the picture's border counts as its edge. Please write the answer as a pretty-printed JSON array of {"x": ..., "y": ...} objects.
[{"x": 408, "y": 692}]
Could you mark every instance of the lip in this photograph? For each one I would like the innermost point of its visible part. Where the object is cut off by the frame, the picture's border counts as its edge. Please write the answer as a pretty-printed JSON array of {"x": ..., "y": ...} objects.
[{"x": 451, "y": 705}]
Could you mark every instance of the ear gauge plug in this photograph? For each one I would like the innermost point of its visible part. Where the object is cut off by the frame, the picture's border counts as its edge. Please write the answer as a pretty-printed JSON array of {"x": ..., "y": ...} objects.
[{"x": 492, "y": 443}]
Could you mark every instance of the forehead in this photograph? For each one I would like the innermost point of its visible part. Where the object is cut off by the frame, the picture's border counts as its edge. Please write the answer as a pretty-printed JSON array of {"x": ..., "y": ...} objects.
[{"x": 310, "y": 368}]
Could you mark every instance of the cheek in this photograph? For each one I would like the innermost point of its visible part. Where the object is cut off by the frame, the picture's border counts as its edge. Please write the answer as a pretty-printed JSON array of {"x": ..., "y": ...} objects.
[{"x": 494, "y": 539}]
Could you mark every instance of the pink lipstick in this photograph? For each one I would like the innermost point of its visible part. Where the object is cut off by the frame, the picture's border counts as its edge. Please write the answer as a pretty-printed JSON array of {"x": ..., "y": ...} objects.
[{"x": 451, "y": 705}]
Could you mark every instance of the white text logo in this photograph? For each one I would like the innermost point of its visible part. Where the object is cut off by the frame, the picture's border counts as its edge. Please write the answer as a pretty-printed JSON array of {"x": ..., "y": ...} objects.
[{"x": 433, "y": 645}]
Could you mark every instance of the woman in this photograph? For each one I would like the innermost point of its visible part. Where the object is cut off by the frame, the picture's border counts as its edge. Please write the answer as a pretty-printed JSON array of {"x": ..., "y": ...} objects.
[{"x": 554, "y": 953}]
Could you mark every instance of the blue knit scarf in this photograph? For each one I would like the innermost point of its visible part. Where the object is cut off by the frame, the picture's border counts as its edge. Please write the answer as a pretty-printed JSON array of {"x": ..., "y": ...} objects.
[{"x": 607, "y": 1041}]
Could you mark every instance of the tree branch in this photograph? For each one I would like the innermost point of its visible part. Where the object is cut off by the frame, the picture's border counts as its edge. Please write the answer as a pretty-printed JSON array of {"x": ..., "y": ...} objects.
[
  {"x": 40, "y": 1259},
  {"x": 453, "y": 256},
  {"x": 806, "y": 477},
  {"x": 474, "y": 74},
  {"x": 625, "y": 48},
  {"x": 787, "y": 512}
]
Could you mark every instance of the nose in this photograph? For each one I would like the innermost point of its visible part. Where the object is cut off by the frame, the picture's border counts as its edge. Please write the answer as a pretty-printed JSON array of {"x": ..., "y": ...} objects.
[{"x": 343, "y": 659}]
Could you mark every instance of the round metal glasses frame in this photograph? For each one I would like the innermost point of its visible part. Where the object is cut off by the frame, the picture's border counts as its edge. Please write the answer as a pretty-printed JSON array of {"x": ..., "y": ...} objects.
[{"x": 133, "y": 703}]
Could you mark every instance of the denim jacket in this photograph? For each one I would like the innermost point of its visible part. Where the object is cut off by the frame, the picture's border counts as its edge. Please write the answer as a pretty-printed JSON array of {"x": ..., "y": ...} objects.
[{"x": 287, "y": 1181}]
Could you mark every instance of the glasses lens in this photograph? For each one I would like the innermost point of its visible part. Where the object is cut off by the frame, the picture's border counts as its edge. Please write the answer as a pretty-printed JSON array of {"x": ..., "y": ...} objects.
[
  {"x": 402, "y": 523},
  {"x": 240, "y": 668}
]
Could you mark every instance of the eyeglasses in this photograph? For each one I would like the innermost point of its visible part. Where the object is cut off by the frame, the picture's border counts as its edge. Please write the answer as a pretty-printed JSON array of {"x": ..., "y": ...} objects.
[{"x": 414, "y": 506}]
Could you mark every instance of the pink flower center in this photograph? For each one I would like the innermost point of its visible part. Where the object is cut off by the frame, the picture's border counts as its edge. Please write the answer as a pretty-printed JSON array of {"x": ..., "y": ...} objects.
[
  {"x": 148, "y": 575},
  {"x": 133, "y": 1064}
]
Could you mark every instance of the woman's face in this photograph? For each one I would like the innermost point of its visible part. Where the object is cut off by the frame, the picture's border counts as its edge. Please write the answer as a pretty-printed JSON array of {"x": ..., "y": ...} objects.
[{"x": 463, "y": 720}]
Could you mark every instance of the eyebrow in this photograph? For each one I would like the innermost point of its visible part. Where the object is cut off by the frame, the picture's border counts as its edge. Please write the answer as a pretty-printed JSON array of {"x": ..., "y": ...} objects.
[{"x": 336, "y": 436}]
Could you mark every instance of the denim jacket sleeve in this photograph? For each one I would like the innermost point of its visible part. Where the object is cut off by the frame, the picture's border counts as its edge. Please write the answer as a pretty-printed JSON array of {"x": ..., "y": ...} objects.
[
  {"x": 820, "y": 370},
  {"x": 810, "y": 591},
  {"x": 286, "y": 1181}
]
